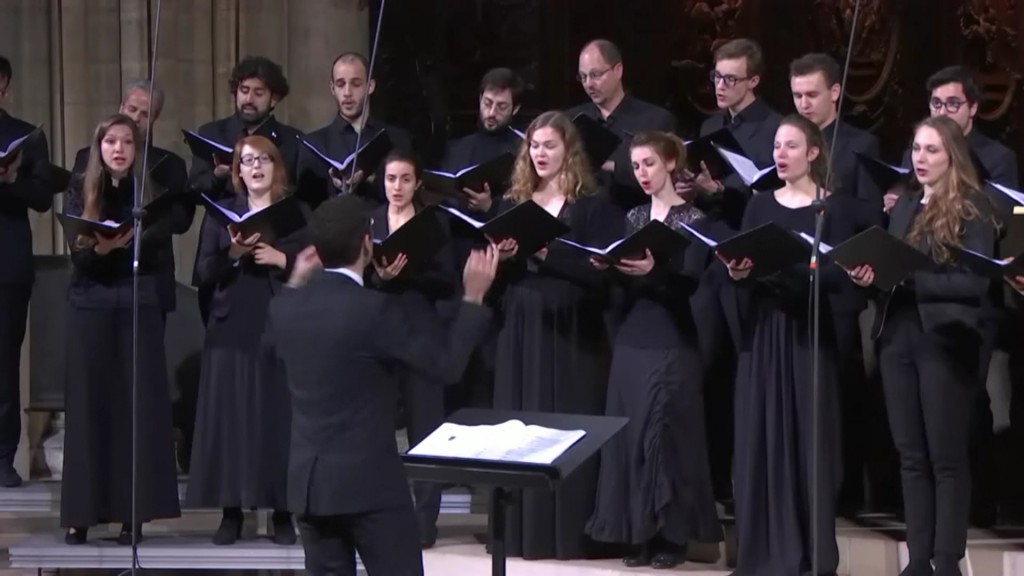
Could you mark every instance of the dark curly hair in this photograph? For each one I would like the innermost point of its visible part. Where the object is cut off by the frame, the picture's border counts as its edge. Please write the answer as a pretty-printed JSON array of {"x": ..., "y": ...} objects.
[{"x": 268, "y": 71}]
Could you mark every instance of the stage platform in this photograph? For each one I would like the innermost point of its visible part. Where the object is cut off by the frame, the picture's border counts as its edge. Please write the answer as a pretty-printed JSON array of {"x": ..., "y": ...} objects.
[{"x": 34, "y": 542}]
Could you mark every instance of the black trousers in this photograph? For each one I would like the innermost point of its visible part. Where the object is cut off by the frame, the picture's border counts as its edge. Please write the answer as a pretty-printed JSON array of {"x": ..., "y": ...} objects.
[
  {"x": 387, "y": 542},
  {"x": 984, "y": 472},
  {"x": 930, "y": 382},
  {"x": 423, "y": 405},
  {"x": 14, "y": 300}
]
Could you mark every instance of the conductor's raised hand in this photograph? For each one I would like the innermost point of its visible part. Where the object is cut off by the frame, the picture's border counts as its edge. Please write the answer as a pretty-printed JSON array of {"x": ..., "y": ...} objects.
[
  {"x": 390, "y": 271},
  {"x": 107, "y": 244},
  {"x": 479, "y": 272},
  {"x": 306, "y": 264},
  {"x": 862, "y": 275},
  {"x": 641, "y": 267}
]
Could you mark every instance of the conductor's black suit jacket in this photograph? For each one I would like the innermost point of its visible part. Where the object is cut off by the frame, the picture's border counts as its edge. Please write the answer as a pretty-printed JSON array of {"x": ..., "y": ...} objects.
[{"x": 341, "y": 344}]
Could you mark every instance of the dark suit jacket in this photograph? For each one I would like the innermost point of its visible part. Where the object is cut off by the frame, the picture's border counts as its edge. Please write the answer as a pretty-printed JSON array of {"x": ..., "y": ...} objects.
[
  {"x": 632, "y": 115},
  {"x": 340, "y": 344},
  {"x": 949, "y": 297},
  {"x": 849, "y": 175},
  {"x": 337, "y": 140},
  {"x": 32, "y": 189},
  {"x": 168, "y": 172},
  {"x": 230, "y": 130}
]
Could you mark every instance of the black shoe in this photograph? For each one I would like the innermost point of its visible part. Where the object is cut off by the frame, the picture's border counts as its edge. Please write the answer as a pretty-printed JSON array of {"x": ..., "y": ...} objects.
[
  {"x": 125, "y": 537},
  {"x": 230, "y": 529},
  {"x": 641, "y": 558},
  {"x": 8, "y": 477},
  {"x": 924, "y": 569},
  {"x": 76, "y": 536},
  {"x": 284, "y": 530},
  {"x": 665, "y": 560}
]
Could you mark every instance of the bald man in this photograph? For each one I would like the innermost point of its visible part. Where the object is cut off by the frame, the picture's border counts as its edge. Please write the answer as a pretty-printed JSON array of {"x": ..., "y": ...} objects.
[{"x": 600, "y": 75}]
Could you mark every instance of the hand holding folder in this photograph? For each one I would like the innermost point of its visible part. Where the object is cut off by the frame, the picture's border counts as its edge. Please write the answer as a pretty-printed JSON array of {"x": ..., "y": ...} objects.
[
  {"x": 890, "y": 259},
  {"x": 494, "y": 173},
  {"x": 768, "y": 248},
  {"x": 275, "y": 221},
  {"x": 202, "y": 147},
  {"x": 156, "y": 209},
  {"x": 416, "y": 242},
  {"x": 9, "y": 150},
  {"x": 992, "y": 268},
  {"x": 758, "y": 179},
  {"x": 655, "y": 237},
  {"x": 367, "y": 158},
  {"x": 531, "y": 226},
  {"x": 705, "y": 150}
]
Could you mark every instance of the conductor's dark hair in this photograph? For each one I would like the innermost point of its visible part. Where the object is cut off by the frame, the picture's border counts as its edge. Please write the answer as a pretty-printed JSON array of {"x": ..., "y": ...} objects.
[
  {"x": 608, "y": 50},
  {"x": 5, "y": 68},
  {"x": 817, "y": 62},
  {"x": 407, "y": 156},
  {"x": 351, "y": 57},
  {"x": 339, "y": 227},
  {"x": 503, "y": 79},
  {"x": 744, "y": 48},
  {"x": 955, "y": 75},
  {"x": 265, "y": 69}
]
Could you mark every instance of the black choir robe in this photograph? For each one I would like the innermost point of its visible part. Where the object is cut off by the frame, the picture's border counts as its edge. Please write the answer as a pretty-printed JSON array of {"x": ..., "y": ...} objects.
[
  {"x": 337, "y": 140},
  {"x": 631, "y": 116},
  {"x": 480, "y": 147},
  {"x": 168, "y": 172}
]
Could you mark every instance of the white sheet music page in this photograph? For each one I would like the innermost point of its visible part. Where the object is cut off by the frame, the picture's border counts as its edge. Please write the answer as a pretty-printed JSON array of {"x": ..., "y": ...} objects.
[{"x": 511, "y": 441}]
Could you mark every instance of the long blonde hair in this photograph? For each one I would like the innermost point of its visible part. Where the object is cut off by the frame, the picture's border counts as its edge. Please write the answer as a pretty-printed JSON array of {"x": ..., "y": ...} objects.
[
  {"x": 956, "y": 197},
  {"x": 93, "y": 180},
  {"x": 577, "y": 180}
]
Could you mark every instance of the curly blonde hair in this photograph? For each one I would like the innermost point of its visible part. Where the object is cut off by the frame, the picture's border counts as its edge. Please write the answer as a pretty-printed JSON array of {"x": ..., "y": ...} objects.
[{"x": 577, "y": 180}]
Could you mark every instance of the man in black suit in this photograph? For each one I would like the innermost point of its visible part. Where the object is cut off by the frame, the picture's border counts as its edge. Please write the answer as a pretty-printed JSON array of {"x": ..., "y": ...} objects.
[
  {"x": 339, "y": 343},
  {"x": 600, "y": 74},
  {"x": 167, "y": 172},
  {"x": 350, "y": 86},
  {"x": 814, "y": 80},
  {"x": 258, "y": 86},
  {"x": 24, "y": 184},
  {"x": 738, "y": 67}
]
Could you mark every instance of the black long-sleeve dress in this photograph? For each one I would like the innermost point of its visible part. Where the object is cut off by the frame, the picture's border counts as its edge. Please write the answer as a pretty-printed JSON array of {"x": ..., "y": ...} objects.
[
  {"x": 552, "y": 356},
  {"x": 774, "y": 403},
  {"x": 97, "y": 477},
  {"x": 243, "y": 418},
  {"x": 654, "y": 478},
  {"x": 426, "y": 291}
]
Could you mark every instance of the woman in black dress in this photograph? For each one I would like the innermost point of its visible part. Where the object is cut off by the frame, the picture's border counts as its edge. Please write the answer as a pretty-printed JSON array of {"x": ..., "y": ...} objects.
[
  {"x": 243, "y": 419},
  {"x": 773, "y": 477},
  {"x": 929, "y": 347},
  {"x": 654, "y": 490},
  {"x": 423, "y": 288},
  {"x": 98, "y": 460},
  {"x": 553, "y": 346}
]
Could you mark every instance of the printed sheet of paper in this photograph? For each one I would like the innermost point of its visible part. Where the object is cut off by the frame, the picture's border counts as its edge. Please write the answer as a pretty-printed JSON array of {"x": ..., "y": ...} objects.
[{"x": 511, "y": 441}]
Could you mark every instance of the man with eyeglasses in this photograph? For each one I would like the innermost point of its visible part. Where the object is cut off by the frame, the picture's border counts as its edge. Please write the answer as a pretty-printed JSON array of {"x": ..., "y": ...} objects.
[
  {"x": 501, "y": 90},
  {"x": 738, "y": 65},
  {"x": 24, "y": 184},
  {"x": 954, "y": 92},
  {"x": 350, "y": 85},
  {"x": 600, "y": 74}
]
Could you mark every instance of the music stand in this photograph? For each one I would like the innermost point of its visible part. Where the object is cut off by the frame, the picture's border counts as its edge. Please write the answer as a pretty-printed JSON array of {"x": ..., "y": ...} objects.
[{"x": 503, "y": 477}]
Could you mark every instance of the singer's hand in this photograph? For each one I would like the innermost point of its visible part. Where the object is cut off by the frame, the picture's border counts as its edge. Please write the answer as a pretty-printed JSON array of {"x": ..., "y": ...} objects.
[
  {"x": 106, "y": 244},
  {"x": 1016, "y": 282},
  {"x": 9, "y": 173},
  {"x": 390, "y": 271},
  {"x": 342, "y": 182},
  {"x": 220, "y": 171},
  {"x": 267, "y": 255},
  {"x": 599, "y": 263},
  {"x": 241, "y": 246},
  {"x": 862, "y": 275},
  {"x": 640, "y": 267},
  {"x": 507, "y": 248},
  {"x": 738, "y": 270}
]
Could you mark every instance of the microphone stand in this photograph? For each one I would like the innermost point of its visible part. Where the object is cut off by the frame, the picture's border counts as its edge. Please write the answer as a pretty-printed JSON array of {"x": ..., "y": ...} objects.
[
  {"x": 366, "y": 99},
  {"x": 815, "y": 305},
  {"x": 138, "y": 213}
]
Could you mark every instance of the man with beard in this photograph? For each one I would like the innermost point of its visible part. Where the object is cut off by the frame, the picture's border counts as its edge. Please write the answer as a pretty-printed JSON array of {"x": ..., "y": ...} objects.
[
  {"x": 350, "y": 87},
  {"x": 500, "y": 92},
  {"x": 600, "y": 74},
  {"x": 258, "y": 85}
]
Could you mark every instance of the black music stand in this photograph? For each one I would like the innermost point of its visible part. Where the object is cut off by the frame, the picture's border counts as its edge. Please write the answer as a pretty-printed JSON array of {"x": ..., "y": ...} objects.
[{"x": 503, "y": 477}]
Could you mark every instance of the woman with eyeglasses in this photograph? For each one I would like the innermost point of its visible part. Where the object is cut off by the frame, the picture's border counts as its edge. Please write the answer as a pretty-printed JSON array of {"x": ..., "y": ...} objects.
[
  {"x": 929, "y": 334},
  {"x": 240, "y": 450},
  {"x": 100, "y": 383}
]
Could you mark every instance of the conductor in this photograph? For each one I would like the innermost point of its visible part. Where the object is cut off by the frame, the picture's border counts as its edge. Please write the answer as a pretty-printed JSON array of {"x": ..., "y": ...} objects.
[{"x": 339, "y": 343}]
